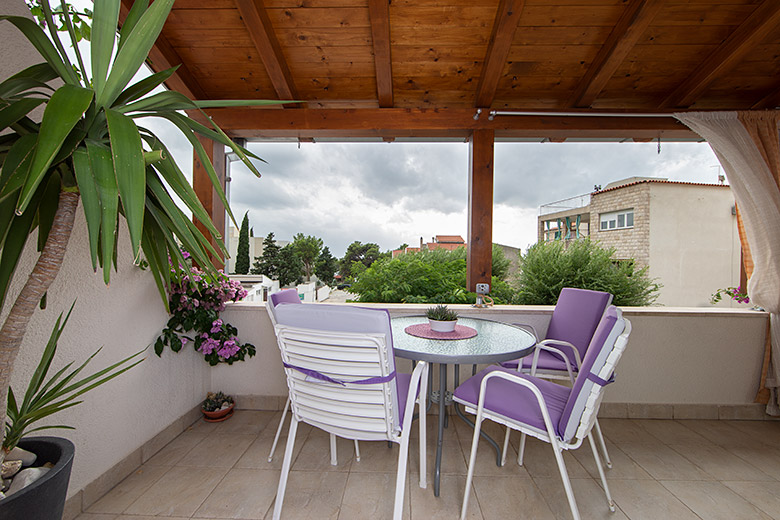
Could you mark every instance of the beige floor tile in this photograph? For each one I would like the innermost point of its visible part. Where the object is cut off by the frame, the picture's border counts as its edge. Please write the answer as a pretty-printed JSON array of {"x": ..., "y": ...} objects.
[
  {"x": 377, "y": 457},
  {"x": 485, "y": 464},
  {"x": 315, "y": 453},
  {"x": 180, "y": 492},
  {"x": 243, "y": 493},
  {"x": 764, "y": 495},
  {"x": 663, "y": 463},
  {"x": 313, "y": 495},
  {"x": 648, "y": 500},
  {"x": 627, "y": 431},
  {"x": 722, "y": 433},
  {"x": 671, "y": 432},
  {"x": 452, "y": 460},
  {"x": 147, "y": 517},
  {"x": 127, "y": 491},
  {"x": 767, "y": 432},
  {"x": 218, "y": 450},
  {"x": 256, "y": 455},
  {"x": 764, "y": 458},
  {"x": 447, "y": 505},
  {"x": 590, "y": 497},
  {"x": 372, "y": 495},
  {"x": 623, "y": 467},
  {"x": 713, "y": 500},
  {"x": 97, "y": 516},
  {"x": 719, "y": 463},
  {"x": 175, "y": 450},
  {"x": 539, "y": 461},
  {"x": 248, "y": 422},
  {"x": 507, "y": 497}
]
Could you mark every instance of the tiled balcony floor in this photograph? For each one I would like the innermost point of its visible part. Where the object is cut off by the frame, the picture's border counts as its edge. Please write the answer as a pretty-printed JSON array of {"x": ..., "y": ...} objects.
[{"x": 663, "y": 469}]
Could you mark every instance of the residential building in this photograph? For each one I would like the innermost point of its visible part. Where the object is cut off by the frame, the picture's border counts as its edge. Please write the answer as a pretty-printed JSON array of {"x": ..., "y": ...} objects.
[
  {"x": 685, "y": 232},
  {"x": 255, "y": 248},
  {"x": 448, "y": 242}
]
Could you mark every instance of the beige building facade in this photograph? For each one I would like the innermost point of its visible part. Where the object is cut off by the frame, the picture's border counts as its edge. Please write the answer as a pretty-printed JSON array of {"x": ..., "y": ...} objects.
[{"x": 686, "y": 233}]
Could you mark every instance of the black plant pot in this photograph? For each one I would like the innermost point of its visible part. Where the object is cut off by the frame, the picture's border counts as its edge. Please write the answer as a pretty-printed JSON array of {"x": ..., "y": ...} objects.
[{"x": 44, "y": 499}]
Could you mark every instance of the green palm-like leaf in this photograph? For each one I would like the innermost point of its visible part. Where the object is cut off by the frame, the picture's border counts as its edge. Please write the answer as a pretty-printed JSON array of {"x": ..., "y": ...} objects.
[
  {"x": 43, "y": 45},
  {"x": 34, "y": 76},
  {"x": 89, "y": 199},
  {"x": 104, "y": 22},
  {"x": 15, "y": 111},
  {"x": 103, "y": 169}
]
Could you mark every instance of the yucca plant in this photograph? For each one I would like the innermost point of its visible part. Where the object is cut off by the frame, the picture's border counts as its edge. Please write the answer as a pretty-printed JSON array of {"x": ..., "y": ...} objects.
[
  {"x": 46, "y": 397},
  {"x": 89, "y": 145}
]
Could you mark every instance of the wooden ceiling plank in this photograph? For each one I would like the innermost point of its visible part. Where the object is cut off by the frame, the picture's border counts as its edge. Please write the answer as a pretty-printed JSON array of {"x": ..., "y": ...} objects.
[
  {"x": 771, "y": 100},
  {"x": 761, "y": 22},
  {"x": 262, "y": 34},
  {"x": 504, "y": 27},
  {"x": 629, "y": 28},
  {"x": 163, "y": 56},
  {"x": 379, "y": 14}
]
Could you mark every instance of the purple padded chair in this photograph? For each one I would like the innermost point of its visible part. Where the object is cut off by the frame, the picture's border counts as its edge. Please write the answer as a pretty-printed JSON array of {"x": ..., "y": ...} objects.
[
  {"x": 558, "y": 355},
  {"x": 556, "y": 414},
  {"x": 342, "y": 379}
]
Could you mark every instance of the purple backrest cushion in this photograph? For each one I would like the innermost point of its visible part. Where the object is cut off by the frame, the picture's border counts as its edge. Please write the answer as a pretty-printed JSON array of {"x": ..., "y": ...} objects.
[
  {"x": 610, "y": 327},
  {"x": 278, "y": 298},
  {"x": 576, "y": 316}
]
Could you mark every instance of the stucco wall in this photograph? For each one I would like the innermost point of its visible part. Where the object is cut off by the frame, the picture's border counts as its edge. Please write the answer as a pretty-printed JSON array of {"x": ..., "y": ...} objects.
[
  {"x": 694, "y": 243},
  {"x": 675, "y": 355}
]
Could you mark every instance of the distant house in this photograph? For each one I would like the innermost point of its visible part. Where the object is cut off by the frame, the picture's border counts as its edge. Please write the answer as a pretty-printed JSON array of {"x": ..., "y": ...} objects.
[
  {"x": 448, "y": 242},
  {"x": 255, "y": 247},
  {"x": 685, "y": 232}
]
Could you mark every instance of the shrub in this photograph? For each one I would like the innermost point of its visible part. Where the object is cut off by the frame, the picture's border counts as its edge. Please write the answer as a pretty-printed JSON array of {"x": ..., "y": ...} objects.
[{"x": 547, "y": 267}]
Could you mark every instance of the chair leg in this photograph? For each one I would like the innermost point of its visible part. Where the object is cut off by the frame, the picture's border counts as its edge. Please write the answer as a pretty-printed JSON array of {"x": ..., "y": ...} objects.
[
  {"x": 357, "y": 451},
  {"x": 472, "y": 459},
  {"x": 334, "y": 457},
  {"x": 610, "y": 502},
  {"x": 285, "y": 468},
  {"x": 400, "y": 479},
  {"x": 506, "y": 446},
  {"x": 603, "y": 445},
  {"x": 423, "y": 444},
  {"x": 575, "y": 513},
  {"x": 279, "y": 430},
  {"x": 521, "y": 449}
]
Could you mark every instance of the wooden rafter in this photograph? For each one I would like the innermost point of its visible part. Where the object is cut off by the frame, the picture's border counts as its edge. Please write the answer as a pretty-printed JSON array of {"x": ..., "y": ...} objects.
[
  {"x": 771, "y": 100},
  {"x": 163, "y": 56},
  {"x": 262, "y": 34},
  {"x": 750, "y": 33},
  {"x": 504, "y": 27},
  {"x": 634, "y": 21},
  {"x": 379, "y": 14}
]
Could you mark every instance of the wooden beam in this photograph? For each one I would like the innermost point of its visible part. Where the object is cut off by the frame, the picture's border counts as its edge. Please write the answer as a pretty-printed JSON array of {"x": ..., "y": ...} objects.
[
  {"x": 504, "y": 27},
  {"x": 163, "y": 56},
  {"x": 201, "y": 183},
  {"x": 480, "y": 219},
  {"x": 634, "y": 21},
  {"x": 262, "y": 33},
  {"x": 379, "y": 14},
  {"x": 761, "y": 22},
  {"x": 770, "y": 101},
  {"x": 261, "y": 123}
]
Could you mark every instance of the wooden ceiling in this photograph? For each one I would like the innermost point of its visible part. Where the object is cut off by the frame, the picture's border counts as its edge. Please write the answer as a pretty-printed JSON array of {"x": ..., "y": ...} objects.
[{"x": 391, "y": 68}]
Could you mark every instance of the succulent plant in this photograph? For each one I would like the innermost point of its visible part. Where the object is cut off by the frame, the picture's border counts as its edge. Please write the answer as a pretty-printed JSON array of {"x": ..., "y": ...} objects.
[
  {"x": 215, "y": 401},
  {"x": 441, "y": 313}
]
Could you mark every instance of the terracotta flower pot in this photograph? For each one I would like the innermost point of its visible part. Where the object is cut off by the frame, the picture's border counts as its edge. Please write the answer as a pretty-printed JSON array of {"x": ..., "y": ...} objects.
[{"x": 218, "y": 415}]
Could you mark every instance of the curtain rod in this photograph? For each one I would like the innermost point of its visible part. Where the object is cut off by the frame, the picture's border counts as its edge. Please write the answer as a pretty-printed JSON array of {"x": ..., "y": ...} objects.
[{"x": 494, "y": 113}]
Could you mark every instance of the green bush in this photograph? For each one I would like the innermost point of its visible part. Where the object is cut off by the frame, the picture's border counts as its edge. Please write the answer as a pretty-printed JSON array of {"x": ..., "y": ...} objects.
[{"x": 547, "y": 267}]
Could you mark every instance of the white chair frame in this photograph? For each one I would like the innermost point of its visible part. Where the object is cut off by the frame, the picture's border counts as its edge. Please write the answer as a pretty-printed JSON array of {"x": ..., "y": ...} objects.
[
  {"x": 587, "y": 421},
  {"x": 316, "y": 403}
]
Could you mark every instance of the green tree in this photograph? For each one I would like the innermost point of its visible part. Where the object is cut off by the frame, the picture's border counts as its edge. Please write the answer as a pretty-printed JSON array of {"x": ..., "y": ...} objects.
[
  {"x": 547, "y": 267},
  {"x": 500, "y": 263},
  {"x": 268, "y": 262},
  {"x": 326, "y": 266},
  {"x": 290, "y": 268},
  {"x": 366, "y": 254},
  {"x": 242, "y": 251},
  {"x": 308, "y": 249}
]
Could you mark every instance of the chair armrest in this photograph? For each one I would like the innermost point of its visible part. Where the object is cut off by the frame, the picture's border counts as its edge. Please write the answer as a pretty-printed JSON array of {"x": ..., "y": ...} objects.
[
  {"x": 528, "y": 327},
  {"x": 566, "y": 346},
  {"x": 521, "y": 381},
  {"x": 417, "y": 385},
  {"x": 547, "y": 345}
]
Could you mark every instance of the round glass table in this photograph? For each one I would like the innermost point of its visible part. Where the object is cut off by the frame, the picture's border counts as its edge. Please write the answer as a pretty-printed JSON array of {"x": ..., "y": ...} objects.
[{"x": 495, "y": 342}]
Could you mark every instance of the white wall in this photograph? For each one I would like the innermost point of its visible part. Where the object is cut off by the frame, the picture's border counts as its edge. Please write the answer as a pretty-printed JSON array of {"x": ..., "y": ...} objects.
[
  {"x": 674, "y": 356},
  {"x": 694, "y": 244}
]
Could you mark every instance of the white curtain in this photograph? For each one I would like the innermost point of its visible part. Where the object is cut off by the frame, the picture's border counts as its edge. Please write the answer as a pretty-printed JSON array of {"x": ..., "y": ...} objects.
[{"x": 747, "y": 145}]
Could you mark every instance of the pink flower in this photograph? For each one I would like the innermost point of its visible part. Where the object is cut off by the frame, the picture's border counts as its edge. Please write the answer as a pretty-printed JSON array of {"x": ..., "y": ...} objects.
[{"x": 216, "y": 326}]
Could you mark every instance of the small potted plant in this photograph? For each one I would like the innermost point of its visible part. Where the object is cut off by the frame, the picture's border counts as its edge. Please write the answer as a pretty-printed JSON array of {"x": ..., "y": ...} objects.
[
  {"x": 217, "y": 407},
  {"x": 442, "y": 319}
]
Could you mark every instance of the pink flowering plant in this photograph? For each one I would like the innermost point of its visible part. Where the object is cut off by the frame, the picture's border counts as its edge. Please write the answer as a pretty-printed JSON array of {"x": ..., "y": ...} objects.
[
  {"x": 735, "y": 293},
  {"x": 195, "y": 302}
]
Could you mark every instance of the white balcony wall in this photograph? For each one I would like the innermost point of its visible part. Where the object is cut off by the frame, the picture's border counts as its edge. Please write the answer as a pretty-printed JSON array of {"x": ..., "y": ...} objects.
[
  {"x": 117, "y": 419},
  {"x": 674, "y": 356}
]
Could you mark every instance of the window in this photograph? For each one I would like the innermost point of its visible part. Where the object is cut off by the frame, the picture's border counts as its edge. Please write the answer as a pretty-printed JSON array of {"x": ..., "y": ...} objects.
[{"x": 617, "y": 220}]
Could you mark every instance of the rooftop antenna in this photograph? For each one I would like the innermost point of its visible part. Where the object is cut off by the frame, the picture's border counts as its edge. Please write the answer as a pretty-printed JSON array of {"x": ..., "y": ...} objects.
[{"x": 721, "y": 177}]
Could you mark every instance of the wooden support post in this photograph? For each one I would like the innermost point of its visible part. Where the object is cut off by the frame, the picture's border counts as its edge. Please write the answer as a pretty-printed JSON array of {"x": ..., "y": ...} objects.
[
  {"x": 206, "y": 192},
  {"x": 480, "y": 227}
]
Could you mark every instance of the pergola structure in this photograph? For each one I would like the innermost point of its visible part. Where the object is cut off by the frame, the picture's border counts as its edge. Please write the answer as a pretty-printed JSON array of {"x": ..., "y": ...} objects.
[{"x": 436, "y": 69}]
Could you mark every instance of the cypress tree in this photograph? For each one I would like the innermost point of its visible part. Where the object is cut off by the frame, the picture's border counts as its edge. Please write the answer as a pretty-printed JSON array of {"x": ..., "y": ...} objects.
[{"x": 242, "y": 252}]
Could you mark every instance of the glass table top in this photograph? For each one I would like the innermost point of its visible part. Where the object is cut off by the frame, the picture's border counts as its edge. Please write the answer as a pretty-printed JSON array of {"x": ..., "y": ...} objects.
[{"x": 494, "y": 342}]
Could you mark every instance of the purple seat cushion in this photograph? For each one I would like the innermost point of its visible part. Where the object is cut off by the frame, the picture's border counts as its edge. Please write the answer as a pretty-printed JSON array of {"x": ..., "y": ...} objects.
[
  {"x": 514, "y": 401},
  {"x": 576, "y": 316},
  {"x": 402, "y": 383},
  {"x": 285, "y": 296}
]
